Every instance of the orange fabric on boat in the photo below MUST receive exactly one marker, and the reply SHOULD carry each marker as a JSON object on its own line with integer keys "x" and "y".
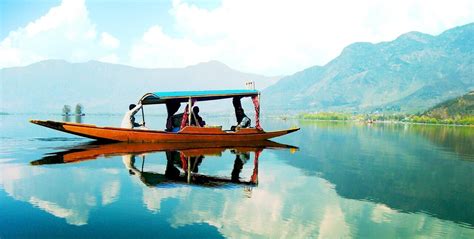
{"x": 184, "y": 163}
{"x": 256, "y": 103}
{"x": 184, "y": 121}
{"x": 254, "y": 177}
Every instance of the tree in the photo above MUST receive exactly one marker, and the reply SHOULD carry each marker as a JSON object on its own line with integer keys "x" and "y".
{"x": 66, "y": 110}
{"x": 79, "y": 109}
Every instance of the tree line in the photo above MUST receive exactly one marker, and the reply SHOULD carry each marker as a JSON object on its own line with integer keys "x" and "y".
{"x": 79, "y": 110}
{"x": 453, "y": 120}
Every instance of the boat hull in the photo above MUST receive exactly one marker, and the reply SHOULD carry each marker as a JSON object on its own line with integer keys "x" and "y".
{"x": 187, "y": 134}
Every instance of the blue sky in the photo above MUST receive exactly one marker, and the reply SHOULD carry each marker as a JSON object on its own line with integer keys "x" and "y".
{"x": 260, "y": 36}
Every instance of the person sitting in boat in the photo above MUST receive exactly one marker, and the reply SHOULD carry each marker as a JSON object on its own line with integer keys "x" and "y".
{"x": 196, "y": 119}
{"x": 242, "y": 120}
{"x": 175, "y": 123}
{"x": 128, "y": 120}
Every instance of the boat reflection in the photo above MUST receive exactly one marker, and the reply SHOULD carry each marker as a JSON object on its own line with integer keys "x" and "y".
{"x": 183, "y": 160}
{"x": 182, "y": 167}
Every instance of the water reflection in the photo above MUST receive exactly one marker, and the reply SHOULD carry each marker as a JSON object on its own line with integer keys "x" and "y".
{"x": 68, "y": 194}
{"x": 183, "y": 167}
{"x": 183, "y": 162}
{"x": 77, "y": 118}
{"x": 410, "y": 168}
{"x": 95, "y": 149}
{"x": 454, "y": 139}
{"x": 459, "y": 140}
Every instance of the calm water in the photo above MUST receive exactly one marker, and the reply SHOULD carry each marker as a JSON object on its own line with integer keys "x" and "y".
{"x": 346, "y": 180}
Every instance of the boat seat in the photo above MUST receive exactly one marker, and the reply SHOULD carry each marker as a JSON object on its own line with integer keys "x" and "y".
{"x": 213, "y": 126}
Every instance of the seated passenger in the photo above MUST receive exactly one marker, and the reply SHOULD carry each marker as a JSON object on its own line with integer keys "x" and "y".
{"x": 196, "y": 119}
{"x": 172, "y": 107}
{"x": 176, "y": 122}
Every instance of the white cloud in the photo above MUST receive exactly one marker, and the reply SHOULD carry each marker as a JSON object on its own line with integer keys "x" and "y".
{"x": 157, "y": 49}
{"x": 65, "y": 32}
{"x": 109, "y": 41}
{"x": 281, "y": 37}
{"x": 265, "y": 36}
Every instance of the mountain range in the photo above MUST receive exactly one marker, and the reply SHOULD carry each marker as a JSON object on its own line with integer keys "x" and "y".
{"x": 46, "y": 86}
{"x": 409, "y": 74}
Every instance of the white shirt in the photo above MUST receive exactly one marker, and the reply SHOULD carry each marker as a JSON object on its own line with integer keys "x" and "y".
{"x": 128, "y": 118}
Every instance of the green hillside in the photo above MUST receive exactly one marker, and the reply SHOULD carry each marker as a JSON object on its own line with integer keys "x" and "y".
{"x": 460, "y": 106}
{"x": 410, "y": 74}
{"x": 459, "y": 110}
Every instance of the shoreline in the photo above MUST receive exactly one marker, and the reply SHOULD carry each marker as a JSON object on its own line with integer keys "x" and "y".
{"x": 383, "y": 122}
{"x": 369, "y": 118}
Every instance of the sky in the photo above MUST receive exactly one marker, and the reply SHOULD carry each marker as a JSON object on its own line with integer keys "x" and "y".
{"x": 270, "y": 37}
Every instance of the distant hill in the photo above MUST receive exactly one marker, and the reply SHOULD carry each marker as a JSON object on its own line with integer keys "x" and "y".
{"x": 460, "y": 106}
{"x": 410, "y": 74}
{"x": 107, "y": 88}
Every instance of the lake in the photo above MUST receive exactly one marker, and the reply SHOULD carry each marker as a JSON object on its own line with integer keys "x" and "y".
{"x": 328, "y": 180}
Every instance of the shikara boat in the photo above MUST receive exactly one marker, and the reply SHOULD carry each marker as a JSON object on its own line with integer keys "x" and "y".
{"x": 187, "y": 132}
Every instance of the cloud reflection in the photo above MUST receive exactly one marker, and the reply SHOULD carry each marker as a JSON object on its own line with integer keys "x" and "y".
{"x": 67, "y": 194}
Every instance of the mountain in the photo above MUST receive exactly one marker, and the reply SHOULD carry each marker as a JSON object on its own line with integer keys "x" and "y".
{"x": 411, "y": 73}
{"x": 460, "y": 106}
{"x": 107, "y": 88}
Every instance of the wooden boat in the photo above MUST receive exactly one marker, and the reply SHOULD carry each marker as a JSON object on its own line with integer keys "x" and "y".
{"x": 187, "y": 132}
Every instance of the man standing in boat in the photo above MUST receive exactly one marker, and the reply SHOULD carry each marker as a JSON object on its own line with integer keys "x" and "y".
{"x": 128, "y": 120}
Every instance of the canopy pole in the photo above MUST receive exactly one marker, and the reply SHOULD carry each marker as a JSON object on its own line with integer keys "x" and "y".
{"x": 189, "y": 111}
{"x": 143, "y": 116}
{"x": 189, "y": 170}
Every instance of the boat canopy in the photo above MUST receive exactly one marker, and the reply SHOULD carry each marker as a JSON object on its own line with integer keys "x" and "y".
{"x": 183, "y": 96}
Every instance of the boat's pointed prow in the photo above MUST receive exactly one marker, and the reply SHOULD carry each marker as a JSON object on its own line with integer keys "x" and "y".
{"x": 38, "y": 122}
{"x": 48, "y": 123}
{"x": 293, "y": 130}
